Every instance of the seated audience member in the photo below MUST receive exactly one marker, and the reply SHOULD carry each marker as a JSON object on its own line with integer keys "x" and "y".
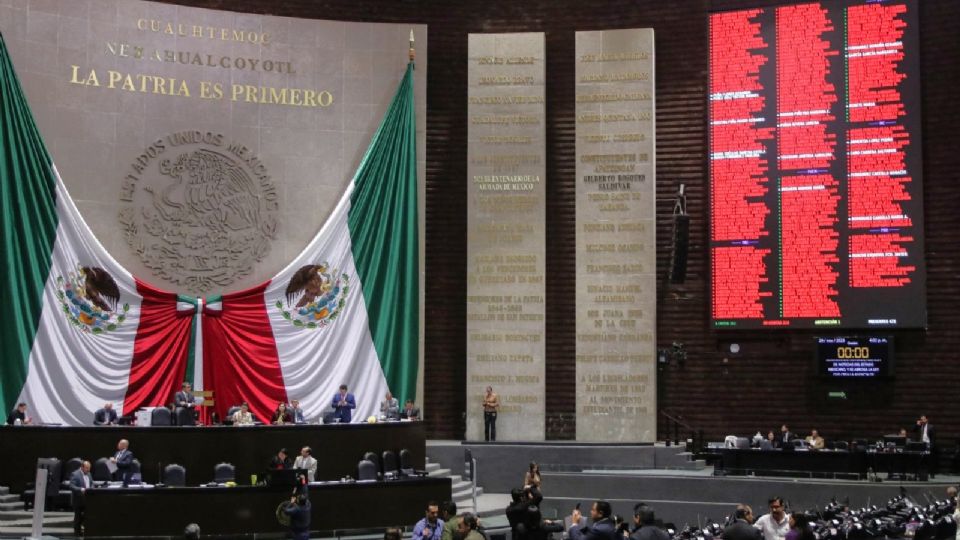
{"x": 280, "y": 461}
{"x": 389, "y": 407}
{"x": 393, "y": 533}
{"x": 243, "y": 417}
{"x": 18, "y": 416}
{"x": 105, "y": 416}
{"x": 281, "y": 415}
{"x": 431, "y": 526}
{"x": 799, "y": 528}
{"x": 306, "y": 461}
{"x": 601, "y": 528}
{"x": 467, "y": 527}
{"x": 741, "y": 528}
{"x": 296, "y": 413}
{"x": 770, "y": 442}
{"x": 409, "y": 411}
{"x": 774, "y": 526}
{"x": 903, "y": 433}
{"x": 784, "y": 438}
{"x": 814, "y": 440}
{"x": 448, "y": 511}
{"x": 123, "y": 460}
{"x": 644, "y": 520}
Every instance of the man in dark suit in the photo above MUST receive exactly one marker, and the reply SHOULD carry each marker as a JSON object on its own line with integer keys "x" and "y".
{"x": 602, "y": 528}
{"x": 18, "y": 416}
{"x": 409, "y": 411}
{"x": 343, "y": 404}
{"x": 184, "y": 400}
{"x": 123, "y": 459}
{"x": 741, "y": 528}
{"x": 926, "y": 434}
{"x": 785, "y": 437}
{"x": 80, "y": 482}
{"x": 105, "y": 416}
{"x": 646, "y": 525}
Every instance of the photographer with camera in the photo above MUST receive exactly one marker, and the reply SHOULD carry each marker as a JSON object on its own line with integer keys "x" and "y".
{"x": 298, "y": 510}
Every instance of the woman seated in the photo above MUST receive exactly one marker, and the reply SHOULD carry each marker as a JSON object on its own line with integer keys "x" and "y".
{"x": 243, "y": 417}
{"x": 281, "y": 415}
{"x": 532, "y": 478}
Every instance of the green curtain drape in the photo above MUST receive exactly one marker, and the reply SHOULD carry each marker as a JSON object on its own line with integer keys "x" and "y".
{"x": 28, "y": 218}
{"x": 383, "y": 229}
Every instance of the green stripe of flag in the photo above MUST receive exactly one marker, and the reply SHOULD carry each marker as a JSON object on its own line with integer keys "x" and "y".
{"x": 383, "y": 232}
{"x": 28, "y": 219}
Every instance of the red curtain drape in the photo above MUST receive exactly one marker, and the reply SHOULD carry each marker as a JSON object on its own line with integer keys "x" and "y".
{"x": 160, "y": 350}
{"x": 240, "y": 360}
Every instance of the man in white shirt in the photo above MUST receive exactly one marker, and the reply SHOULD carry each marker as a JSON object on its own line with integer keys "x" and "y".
{"x": 775, "y": 525}
{"x": 306, "y": 461}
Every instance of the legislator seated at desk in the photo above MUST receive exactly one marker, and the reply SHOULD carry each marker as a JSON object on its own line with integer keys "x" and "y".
{"x": 242, "y": 416}
{"x": 409, "y": 412}
{"x": 814, "y": 440}
{"x": 105, "y": 416}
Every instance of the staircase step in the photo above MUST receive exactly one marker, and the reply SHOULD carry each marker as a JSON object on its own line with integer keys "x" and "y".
{"x": 7, "y": 506}
{"x": 432, "y": 467}
{"x": 9, "y": 498}
{"x": 460, "y": 486}
{"x": 4, "y": 490}
{"x": 439, "y": 472}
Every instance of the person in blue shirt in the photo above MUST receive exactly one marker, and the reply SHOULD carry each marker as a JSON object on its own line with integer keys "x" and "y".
{"x": 431, "y": 526}
{"x": 602, "y": 528}
{"x": 343, "y": 404}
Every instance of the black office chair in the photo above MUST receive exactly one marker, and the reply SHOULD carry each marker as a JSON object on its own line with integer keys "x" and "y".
{"x": 406, "y": 462}
{"x": 366, "y": 470}
{"x": 175, "y": 475}
{"x": 228, "y": 418}
{"x": 390, "y": 467}
{"x": 101, "y": 471}
{"x": 69, "y": 466}
{"x": 328, "y": 418}
{"x": 160, "y": 417}
{"x": 375, "y": 459}
{"x": 841, "y": 446}
{"x": 185, "y": 416}
{"x": 224, "y": 472}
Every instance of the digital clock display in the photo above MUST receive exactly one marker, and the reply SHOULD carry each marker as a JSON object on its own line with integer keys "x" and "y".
{"x": 853, "y": 358}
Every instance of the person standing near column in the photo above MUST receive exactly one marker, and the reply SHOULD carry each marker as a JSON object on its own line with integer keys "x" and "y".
{"x": 491, "y": 406}
{"x": 80, "y": 482}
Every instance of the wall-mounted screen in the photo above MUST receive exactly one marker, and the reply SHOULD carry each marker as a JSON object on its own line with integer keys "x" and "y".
{"x": 816, "y": 206}
{"x": 854, "y": 358}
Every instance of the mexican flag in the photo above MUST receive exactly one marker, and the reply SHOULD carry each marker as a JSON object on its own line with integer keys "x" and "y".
{"x": 345, "y": 311}
{"x": 81, "y": 331}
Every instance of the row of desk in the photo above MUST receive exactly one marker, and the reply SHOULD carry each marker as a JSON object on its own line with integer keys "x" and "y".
{"x": 821, "y": 462}
{"x": 337, "y": 447}
{"x": 243, "y": 509}
{"x": 247, "y": 509}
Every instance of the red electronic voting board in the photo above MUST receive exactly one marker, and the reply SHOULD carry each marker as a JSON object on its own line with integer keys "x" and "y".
{"x": 816, "y": 206}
